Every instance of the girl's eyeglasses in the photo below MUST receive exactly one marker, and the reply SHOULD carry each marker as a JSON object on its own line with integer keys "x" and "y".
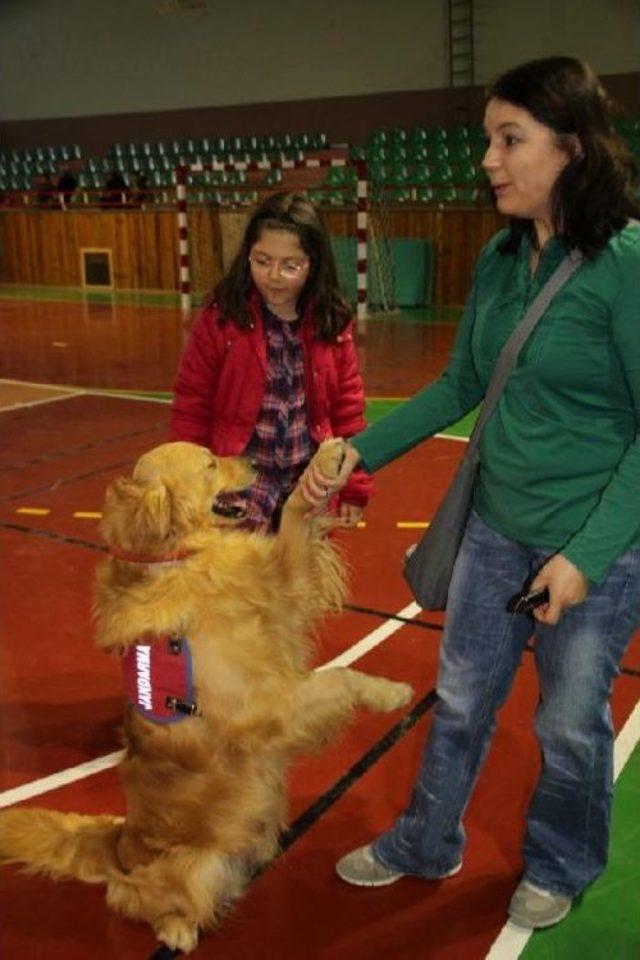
{"x": 288, "y": 269}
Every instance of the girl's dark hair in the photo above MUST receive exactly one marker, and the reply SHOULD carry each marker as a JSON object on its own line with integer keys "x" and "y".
{"x": 296, "y": 214}
{"x": 596, "y": 193}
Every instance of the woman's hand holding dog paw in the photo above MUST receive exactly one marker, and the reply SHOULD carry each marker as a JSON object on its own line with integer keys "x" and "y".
{"x": 316, "y": 487}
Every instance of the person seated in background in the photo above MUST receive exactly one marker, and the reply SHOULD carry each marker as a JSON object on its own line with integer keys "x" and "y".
{"x": 141, "y": 194}
{"x": 115, "y": 190}
{"x": 46, "y": 191}
{"x": 66, "y": 186}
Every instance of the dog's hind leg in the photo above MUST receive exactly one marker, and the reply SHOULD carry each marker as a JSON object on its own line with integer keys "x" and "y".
{"x": 180, "y": 892}
{"x": 324, "y": 702}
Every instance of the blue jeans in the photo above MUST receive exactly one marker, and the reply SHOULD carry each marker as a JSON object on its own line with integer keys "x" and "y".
{"x": 566, "y": 840}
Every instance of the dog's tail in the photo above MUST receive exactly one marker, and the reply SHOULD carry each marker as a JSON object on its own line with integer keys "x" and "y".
{"x": 60, "y": 845}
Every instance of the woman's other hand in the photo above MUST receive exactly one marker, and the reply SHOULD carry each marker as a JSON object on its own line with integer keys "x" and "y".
{"x": 567, "y": 587}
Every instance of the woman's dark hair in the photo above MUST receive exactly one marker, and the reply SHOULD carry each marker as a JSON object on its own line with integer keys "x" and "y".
{"x": 596, "y": 193}
{"x": 296, "y": 214}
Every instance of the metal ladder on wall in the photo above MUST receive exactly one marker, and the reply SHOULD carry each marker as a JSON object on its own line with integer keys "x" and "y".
{"x": 461, "y": 57}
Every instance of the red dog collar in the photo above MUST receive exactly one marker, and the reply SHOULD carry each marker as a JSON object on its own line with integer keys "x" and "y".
{"x": 158, "y": 679}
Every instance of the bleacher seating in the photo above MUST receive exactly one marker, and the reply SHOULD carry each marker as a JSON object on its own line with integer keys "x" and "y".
{"x": 423, "y": 165}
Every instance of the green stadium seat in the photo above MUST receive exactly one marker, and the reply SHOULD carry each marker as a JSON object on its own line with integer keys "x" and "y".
{"x": 378, "y": 138}
{"x": 437, "y": 150}
{"x": 464, "y": 173}
{"x": 398, "y": 175}
{"x": 336, "y": 198}
{"x": 468, "y": 194}
{"x": 458, "y": 134}
{"x": 399, "y": 195}
{"x": 421, "y": 174}
{"x": 459, "y": 151}
{"x": 436, "y": 135}
{"x": 424, "y": 195}
{"x": 318, "y": 197}
{"x": 418, "y": 153}
{"x": 441, "y": 173}
{"x": 397, "y": 153}
{"x": 377, "y": 172}
{"x": 418, "y": 136}
{"x": 336, "y": 177}
{"x": 398, "y": 136}
{"x": 445, "y": 193}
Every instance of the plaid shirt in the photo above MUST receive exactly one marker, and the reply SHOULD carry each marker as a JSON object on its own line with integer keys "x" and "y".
{"x": 280, "y": 446}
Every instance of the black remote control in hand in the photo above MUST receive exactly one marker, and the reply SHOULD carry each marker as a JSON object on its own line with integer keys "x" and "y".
{"x": 526, "y": 601}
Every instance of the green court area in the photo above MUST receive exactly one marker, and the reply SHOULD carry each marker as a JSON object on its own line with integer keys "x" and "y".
{"x": 605, "y": 924}
{"x": 378, "y": 407}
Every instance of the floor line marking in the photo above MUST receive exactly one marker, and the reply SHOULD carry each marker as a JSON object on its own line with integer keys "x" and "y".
{"x": 83, "y": 770}
{"x": 372, "y": 639}
{"x": 38, "y": 403}
{"x": 512, "y": 939}
{"x": 41, "y": 386}
{"x": 82, "y": 391}
{"x": 61, "y": 779}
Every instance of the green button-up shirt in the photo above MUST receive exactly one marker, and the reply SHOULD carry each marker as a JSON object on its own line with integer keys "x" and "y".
{"x": 560, "y": 457}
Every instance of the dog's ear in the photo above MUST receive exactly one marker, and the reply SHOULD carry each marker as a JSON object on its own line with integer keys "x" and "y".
{"x": 187, "y": 506}
{"x": 136, "y": 513}
{"x": 154, "y": 512}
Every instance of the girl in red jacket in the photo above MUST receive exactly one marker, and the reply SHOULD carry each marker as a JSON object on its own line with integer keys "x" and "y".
{"x": 270, "y": 367}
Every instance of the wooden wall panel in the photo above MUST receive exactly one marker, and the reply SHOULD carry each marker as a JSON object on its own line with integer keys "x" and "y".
{"x": 43, "y": 247}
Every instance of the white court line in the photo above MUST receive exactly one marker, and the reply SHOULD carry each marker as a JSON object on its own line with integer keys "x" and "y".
{"x": 41, "y": 386}
{"x": 512, "y": 940}
{"x": 64, "y": 777}
{"x": 61, "y": 779}
{"x": 372, "y": 639}
{"x": 450, "y": 436}
{"x": 67, "y": 393}
{"x": 37, "y": 403}
{"x": 80, "y": 391}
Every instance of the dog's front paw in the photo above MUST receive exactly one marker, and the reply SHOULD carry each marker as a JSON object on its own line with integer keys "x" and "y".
{"x": 378, "y": 693}
{"x": 329, "y": 457}
{"x": 395, "y": 695}
{"x": 176, "y": 932}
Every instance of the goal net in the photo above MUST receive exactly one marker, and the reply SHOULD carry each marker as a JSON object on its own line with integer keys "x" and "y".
{"x": 216, "y": 201}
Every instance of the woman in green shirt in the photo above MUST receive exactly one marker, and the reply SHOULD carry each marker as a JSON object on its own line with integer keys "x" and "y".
{"x": 557, "y": 498}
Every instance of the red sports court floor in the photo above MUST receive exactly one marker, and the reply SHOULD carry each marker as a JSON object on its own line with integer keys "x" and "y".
{"x": 61, "y": 699}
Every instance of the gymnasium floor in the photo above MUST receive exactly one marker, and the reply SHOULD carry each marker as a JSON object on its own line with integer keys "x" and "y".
{"x": 83, "y": 392}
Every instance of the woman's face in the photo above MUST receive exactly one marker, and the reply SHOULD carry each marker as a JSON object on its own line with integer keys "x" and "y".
{"x": 279, "y": 268}
{"x": 523, "y": 161}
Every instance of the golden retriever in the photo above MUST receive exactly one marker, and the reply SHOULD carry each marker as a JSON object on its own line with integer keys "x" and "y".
{"x": 205, "y": 795}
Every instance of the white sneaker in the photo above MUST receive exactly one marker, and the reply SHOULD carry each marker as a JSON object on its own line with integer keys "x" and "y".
{"x": 535, "y": 908}
{"x": 362, "y": 868}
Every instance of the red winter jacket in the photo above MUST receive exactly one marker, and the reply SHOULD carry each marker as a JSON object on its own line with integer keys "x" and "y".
{"x": 221, "y": 380}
